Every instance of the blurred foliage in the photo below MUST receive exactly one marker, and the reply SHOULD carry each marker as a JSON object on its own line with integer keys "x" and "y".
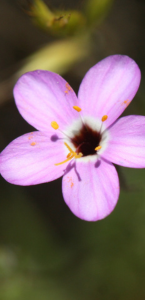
{"x": 64, "y": 23}
{"x": 96, "y": 10}
{"x": 60, "y": 23}
{"x": 61, "y": 55}
{"x": 58, "y": 56}
{"x": 102, "y": 260}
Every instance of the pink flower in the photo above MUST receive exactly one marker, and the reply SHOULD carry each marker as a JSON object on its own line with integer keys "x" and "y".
{"x": 78, "y": 138}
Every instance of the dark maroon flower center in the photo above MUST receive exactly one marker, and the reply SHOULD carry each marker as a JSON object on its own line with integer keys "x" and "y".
{"x": 86, "y": 141}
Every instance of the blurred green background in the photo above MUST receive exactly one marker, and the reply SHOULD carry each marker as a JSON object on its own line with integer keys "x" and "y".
{"x": 45, "y": 251}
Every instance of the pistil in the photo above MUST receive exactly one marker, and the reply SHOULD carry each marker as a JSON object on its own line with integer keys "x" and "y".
{"x": 84, "y": 142}
{"x": 70, "y": 155}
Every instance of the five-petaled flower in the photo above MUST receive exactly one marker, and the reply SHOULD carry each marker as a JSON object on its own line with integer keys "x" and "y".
{"x": 78, "y": 138}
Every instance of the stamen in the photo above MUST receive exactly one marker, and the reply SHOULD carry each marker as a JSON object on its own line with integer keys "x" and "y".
{"x": 68, "y": 147}
{"x": 72, "y": 152}
{"x": 70, "y": 155}
{"x": 64, "y": 161}
{"x": 77, "y": 108}
{"x": 104, "y": 118}
{"x": 54, "y": 125}
{"x": 98, "y": 148}
{"x": 78, "y": 155}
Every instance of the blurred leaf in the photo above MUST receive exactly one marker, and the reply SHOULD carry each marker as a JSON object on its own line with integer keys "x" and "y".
{"x": 33, "y": 287}
{"x": 58, "y": 56}
{"x": 96, "y": 10}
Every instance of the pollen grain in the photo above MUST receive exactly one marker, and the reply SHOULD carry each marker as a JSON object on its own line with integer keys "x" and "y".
{"x": 33, "y": 144}
{"x": 68, "y": 88}
{"x": 126, "y": 102}
{"x": 70, "y": 181}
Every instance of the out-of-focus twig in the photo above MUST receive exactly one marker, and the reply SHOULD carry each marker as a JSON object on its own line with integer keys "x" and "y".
{"x": 57, "y": 23}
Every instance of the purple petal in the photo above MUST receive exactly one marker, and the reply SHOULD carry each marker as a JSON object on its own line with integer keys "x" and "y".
{"x": 91, "y": 191}
{"x": 109, "y": 87}
{"x": 42, "y": 97}
{"x": 31, "y": 158}
{"x": 127, "y": 142}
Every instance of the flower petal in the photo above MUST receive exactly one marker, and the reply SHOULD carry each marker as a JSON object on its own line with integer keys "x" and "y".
{"x": 30, "y": 159}
{"x": 91, "y": 190}
{"x": 109, "y": 87}
{"x": 127, "y": 142}
{"x": 42, "y": 97}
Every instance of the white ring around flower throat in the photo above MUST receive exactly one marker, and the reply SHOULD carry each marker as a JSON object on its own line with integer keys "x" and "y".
{"x": 96, "y": 125}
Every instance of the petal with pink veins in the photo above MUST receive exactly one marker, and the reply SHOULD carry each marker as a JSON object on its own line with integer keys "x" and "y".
{"x": 109, "y": 87}
{"x": 42, "y": 97}
{"x": 31, "y": 158}
{"x": 127, "y": 142}
{"x": 91, "y": 190}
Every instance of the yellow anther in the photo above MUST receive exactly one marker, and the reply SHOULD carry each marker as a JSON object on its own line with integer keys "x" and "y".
{"x": 98, "y": 148}
{"x": 77, "y": 108}
{"x": 70, "y": 155}
{"x": 104, "y": 118}
{"x": 54, "y": 125}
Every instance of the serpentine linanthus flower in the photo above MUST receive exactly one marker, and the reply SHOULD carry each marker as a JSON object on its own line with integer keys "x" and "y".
{"x": 78, "y": 138}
